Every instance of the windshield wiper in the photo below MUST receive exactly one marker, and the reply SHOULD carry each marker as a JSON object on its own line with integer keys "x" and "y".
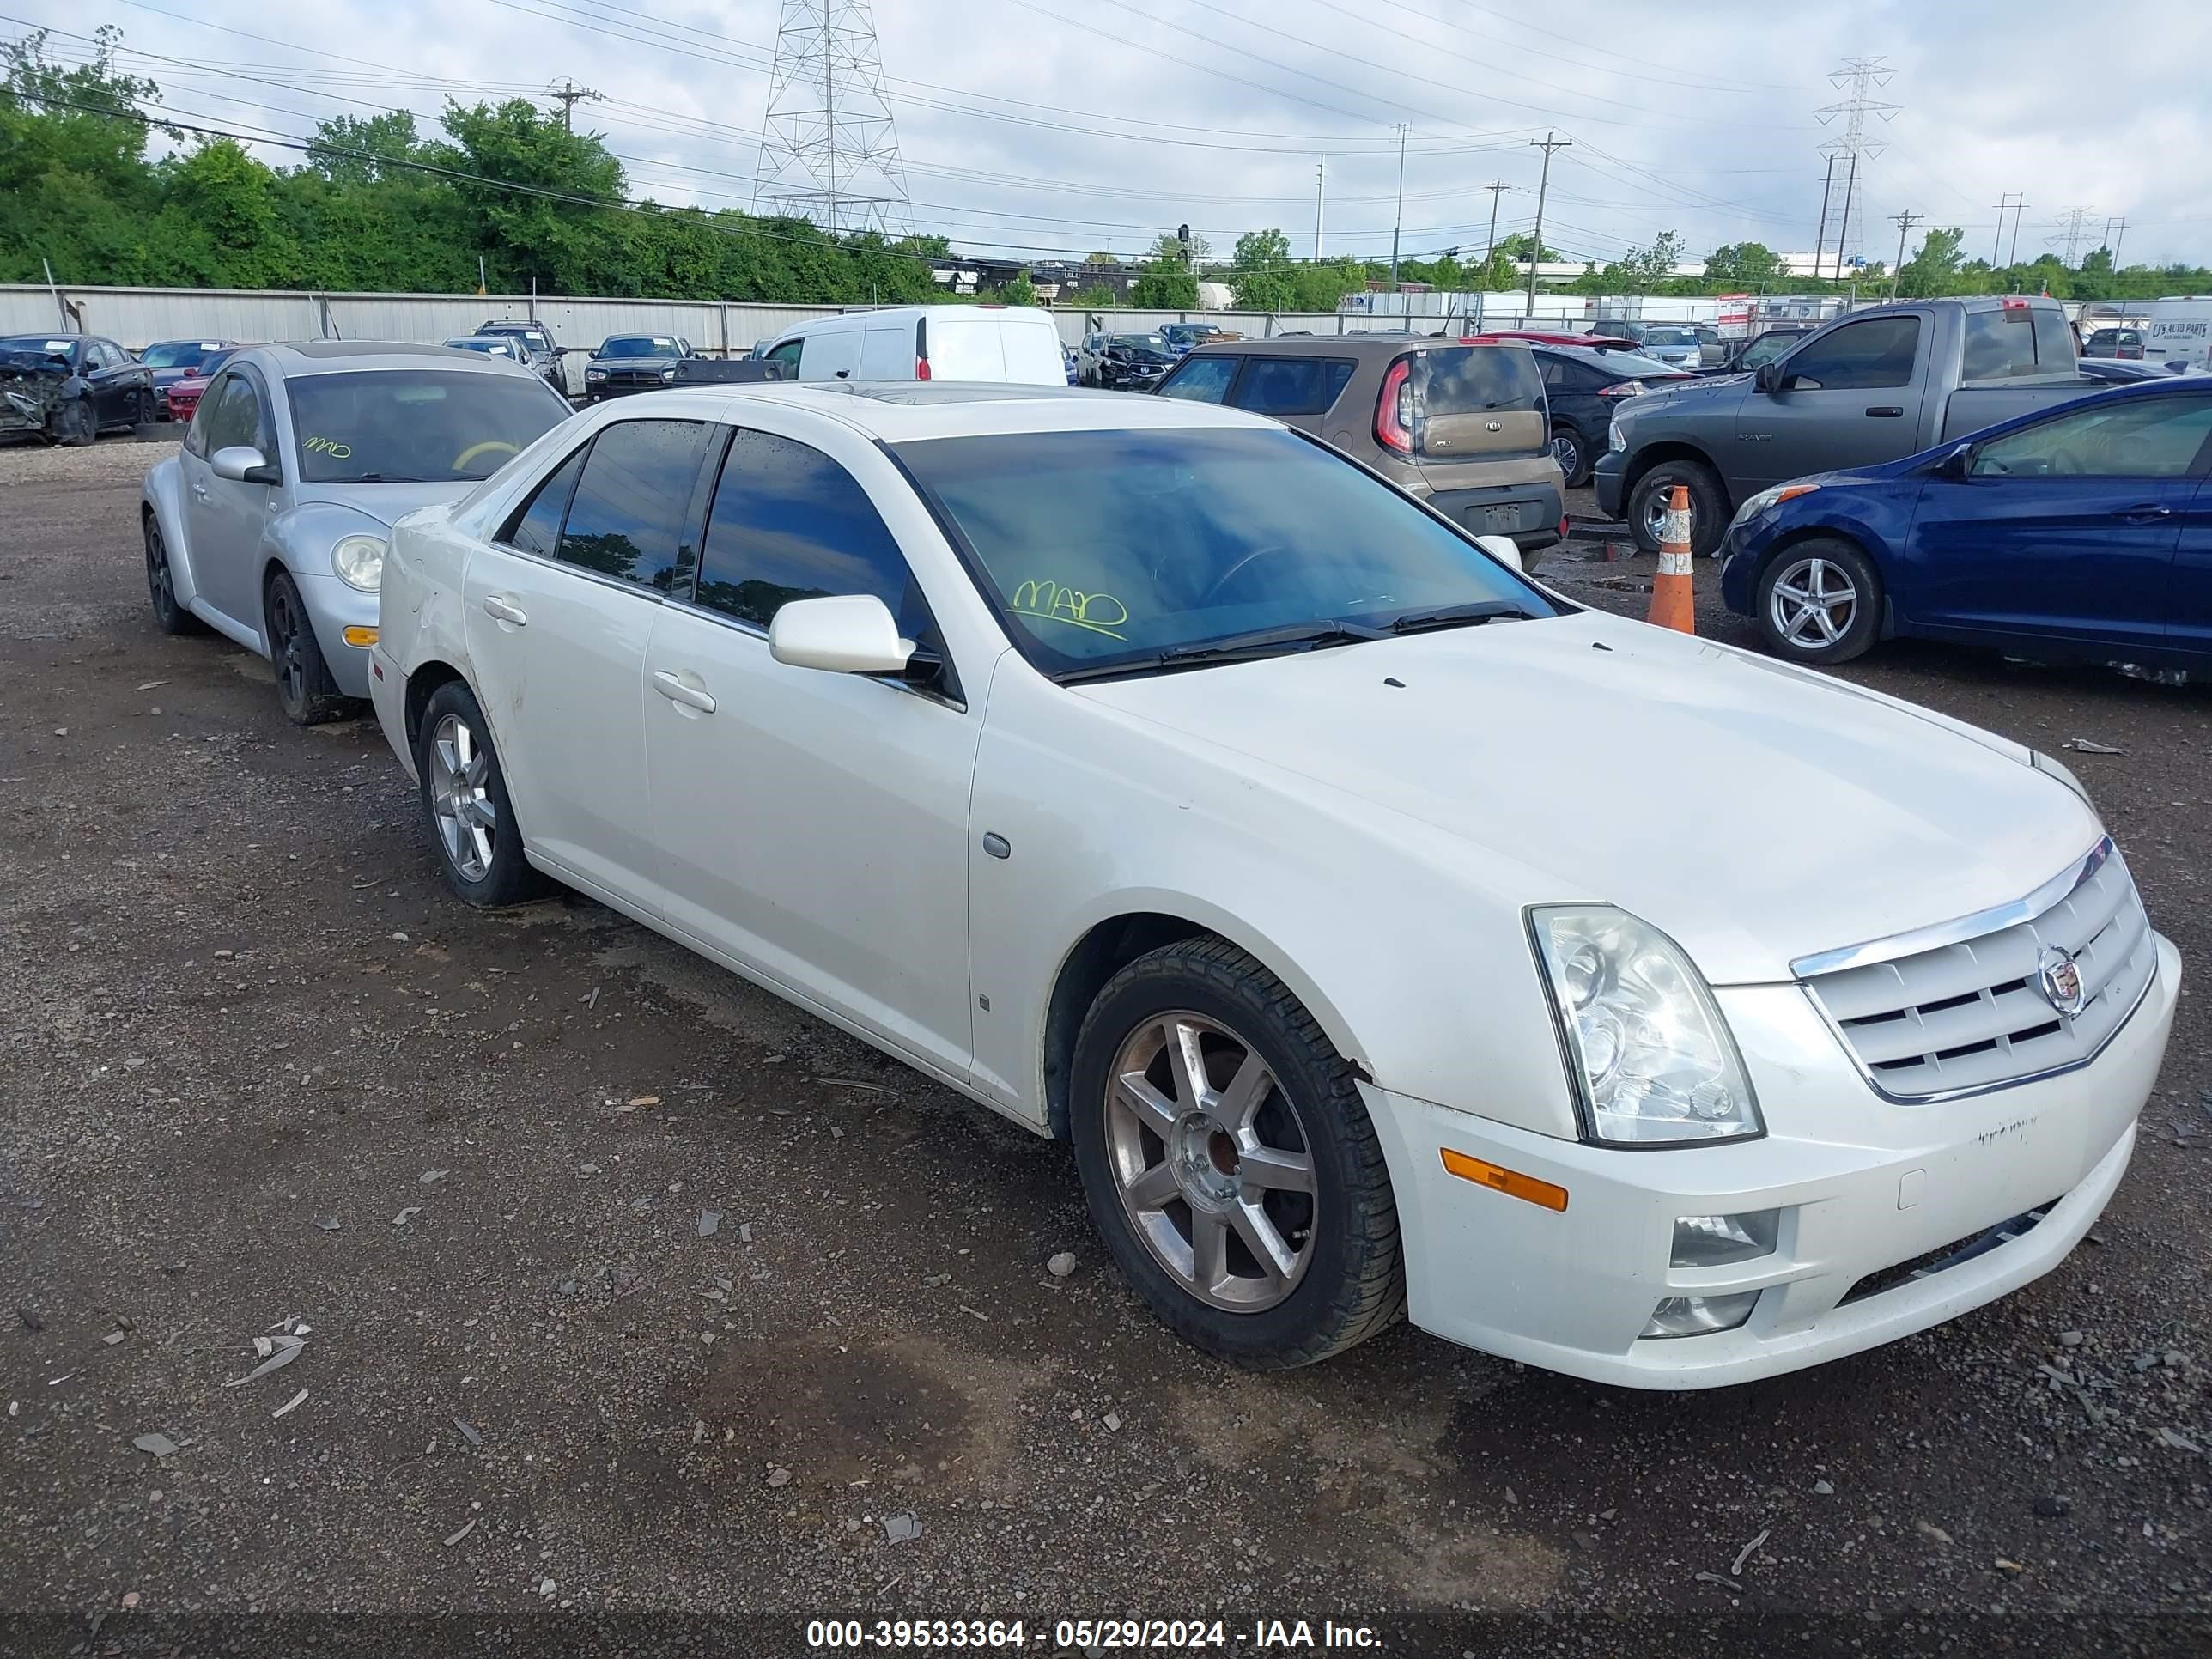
{"x": 1459, "y": 616}
{"x": 380, "y": 477}
{"x": 1278, "y": 641}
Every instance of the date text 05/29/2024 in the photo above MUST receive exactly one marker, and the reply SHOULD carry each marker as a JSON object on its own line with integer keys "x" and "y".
{"x": 1092, "y": 1636}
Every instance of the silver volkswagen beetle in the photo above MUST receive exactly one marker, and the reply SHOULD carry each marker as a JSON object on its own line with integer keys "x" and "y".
{"x": 270, "y": 524}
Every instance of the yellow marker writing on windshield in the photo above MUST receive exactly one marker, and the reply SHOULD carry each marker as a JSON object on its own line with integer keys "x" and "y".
{"x": 330, "y": 447}
{"x": 1052, "y": 602}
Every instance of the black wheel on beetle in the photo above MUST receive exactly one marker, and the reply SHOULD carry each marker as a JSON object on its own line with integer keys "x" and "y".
{"x": 1647, "y": 505}
{"x": 1818, "y": 601}
{"x": 169, "y": 616}
{"x": 304, "y": 686}
{"x": 1572, "y": 454}
{"x": 1229, "y": 1161}
{"x": 465, "y": 805}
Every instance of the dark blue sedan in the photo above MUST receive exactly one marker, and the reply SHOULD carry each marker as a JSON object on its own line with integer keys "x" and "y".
{"x": 2079, "y": 532}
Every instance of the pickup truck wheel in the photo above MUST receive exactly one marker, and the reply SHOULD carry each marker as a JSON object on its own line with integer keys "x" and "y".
{"x": 465, "y": 805}
{"x": 1819, "y": 601}
{"x": 1572, "y": 454}
{"x": 1229, "y": 1161}
{"x": 1647, "y": 505}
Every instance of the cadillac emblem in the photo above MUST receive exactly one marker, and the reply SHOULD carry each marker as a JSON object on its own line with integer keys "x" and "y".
{"x": 2059, "y": 979}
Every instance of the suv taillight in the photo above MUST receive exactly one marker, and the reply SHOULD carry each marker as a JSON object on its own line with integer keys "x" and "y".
{"x": 922, "y": 369}
{"x": 1394, "y": 421}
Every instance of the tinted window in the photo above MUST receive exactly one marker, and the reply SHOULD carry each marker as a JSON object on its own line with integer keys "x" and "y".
{"x": 1111, "y": 546}
{"x": 230, "y": 414}
{"x": 2054, "y": 342}
{"x": 1470, "y": 379}
{"x": 1999, "y": 344}
{"x": 627, "y": 517}
{"x": 537, "y": 527}
{"x": 788, "y": 352}
{"x": 2137, "y": 438}
{"x": 789, "y": 523}
{"x": 640, "y": 345}
{"x": 176, "y": 354}
{"x": 415, "y": 426}
{"x": 1877, "y": 352}
{"x": 1201, "y": 380}
{"x": 1292, "y": 386}
{"x": 1766, "y": 349}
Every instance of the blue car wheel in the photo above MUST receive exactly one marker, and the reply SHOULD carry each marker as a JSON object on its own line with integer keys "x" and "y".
{"x": 1818, "y": 601}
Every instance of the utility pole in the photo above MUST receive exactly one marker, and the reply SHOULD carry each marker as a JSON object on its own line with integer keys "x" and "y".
{"x": 1905, "y": 222}
{"x": 569, "y": 95}
{"x": 2121, "y": 226}
{"x": 2013, "y": 257}
{"x": 1997, "y": 242}
{"x": 1397, "y": 223}
{"x": 1496, "y": 187}
{"x": 1321, "y": 188}
{"x": 1827, "y": 184}
{"x": 1548, "y": 143}
{"x": 1844, "y": 230}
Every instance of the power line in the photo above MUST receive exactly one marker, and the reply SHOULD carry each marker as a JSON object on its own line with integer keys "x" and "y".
{"x": 821, "y": 159}
{"x": 1859, "y": 74}
{"x": 2073, "y": 226}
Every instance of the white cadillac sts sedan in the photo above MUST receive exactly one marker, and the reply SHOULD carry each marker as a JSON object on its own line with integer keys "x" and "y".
{"x": 1385, "y": 932}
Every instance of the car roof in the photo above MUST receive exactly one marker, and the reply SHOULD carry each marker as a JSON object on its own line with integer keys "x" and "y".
{"x": 898, "y": 412}
{"x": 336, "y": 357}
{"x": 1357, "y": 345}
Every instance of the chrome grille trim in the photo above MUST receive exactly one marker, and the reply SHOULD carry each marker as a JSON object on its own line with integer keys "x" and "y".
{"x": 1941, "y": 1012}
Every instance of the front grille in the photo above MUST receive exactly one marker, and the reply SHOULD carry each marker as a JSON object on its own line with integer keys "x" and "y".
{"x": 1955, "y": 1254}
{"x": 1972, "y": 1015}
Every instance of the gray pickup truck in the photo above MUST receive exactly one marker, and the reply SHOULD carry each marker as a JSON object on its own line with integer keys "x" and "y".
{"x": 1872, "y": 386}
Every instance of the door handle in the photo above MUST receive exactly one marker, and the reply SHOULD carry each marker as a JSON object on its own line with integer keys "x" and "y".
{"x": 200, "y": 490}
{"x": 2148, "y": 513}
{"x": 1885, "y": 412}
{"x": 496, "y": 606}
{"x": 675, "y": 690}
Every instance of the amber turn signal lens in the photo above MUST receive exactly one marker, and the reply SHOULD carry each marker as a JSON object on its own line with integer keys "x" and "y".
{"x": 360, "y": 636}
{"x": 1512, "y": 1182}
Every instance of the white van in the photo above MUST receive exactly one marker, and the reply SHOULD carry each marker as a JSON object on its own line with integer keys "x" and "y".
{"x": 1016, "y": 344}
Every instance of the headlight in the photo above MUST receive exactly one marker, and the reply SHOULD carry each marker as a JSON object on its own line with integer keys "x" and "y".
{"x": 1649, "y": 1055}
{"x": 667, "y": 373}
{"x": 595, "y": 375}
{"x": 1774, "y": 497}
{"x": 1615, "y": 437}
{"x": 359, "y": 561}
{"x": 2043, "y": 762}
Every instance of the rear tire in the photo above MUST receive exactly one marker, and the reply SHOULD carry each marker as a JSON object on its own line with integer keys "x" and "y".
{"x": 1572, "y": 455}
{"x": 465, "y": 807}
{"x": 169, "y": 616}
{"x": 1819, "y": 602}
{"x": 304, "y": 686}
{"x": 1244, "y": 1196}
{"x": 1709, "y": 510}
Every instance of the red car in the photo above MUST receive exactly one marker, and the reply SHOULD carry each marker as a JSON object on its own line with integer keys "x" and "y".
{"x": 182, "y": 397}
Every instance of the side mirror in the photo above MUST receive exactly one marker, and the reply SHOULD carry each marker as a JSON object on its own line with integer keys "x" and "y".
{"x": 1956, "y": 465}
{"x": 1503, "y": 548}
{"x": 242, "y": 463}
{"x": 1768, "y": 376}
{"x": 848, "y": 634}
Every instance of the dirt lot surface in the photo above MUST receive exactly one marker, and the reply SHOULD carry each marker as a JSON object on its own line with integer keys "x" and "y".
{"x": 255, "y": 1065}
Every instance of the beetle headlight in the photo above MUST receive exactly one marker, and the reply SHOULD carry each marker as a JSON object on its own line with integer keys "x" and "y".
{"x": 1646, "y": 1047}
{"x": 359, "y": 561}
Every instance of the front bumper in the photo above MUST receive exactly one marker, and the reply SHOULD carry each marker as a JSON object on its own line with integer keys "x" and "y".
{"x": 1863, "y": 1186}
{"x": 334, "y": 606}
{"x": 387, "y": 694}
{"x": 1610, "y": 481}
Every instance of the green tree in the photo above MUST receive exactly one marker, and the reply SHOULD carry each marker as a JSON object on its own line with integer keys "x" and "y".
{"x": 1742, "y": 264}
{"x": 1934, "y": 270}
{"x": 1019, "y": 292}
{"x": 1165, "y": 246}
{"x": 1096, "y": 297}
{"x": 1166, "y": 284}
{"x": 1517, "y": 247}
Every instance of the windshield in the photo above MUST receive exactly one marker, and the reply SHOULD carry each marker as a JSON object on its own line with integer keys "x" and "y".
{"x": 415, "y": 426}
{"x": 1670, "y": 337}
{"x": 1151, "y": 342}
{"x": 1105, "y": 548}
{"x": 639, "y": 345}
{"x": 490, "y": 348}
{"x": 176, "y": 354}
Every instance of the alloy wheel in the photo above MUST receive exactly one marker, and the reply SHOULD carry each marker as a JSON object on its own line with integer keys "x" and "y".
{"x": 1567, "y": 451}
{"x": 285, "y": 654}
{"x": 160, "y": 584}
{"x": 1654, "y": 516}
{"x": 1211, "y": 1162}
{"x": 1813, "y": 604}
{"x": 460, "y": 797}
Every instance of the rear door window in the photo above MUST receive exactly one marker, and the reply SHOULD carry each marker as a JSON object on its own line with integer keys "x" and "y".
{"x": 2000, "y": 345}
{"x": 537, "y": 527}
{"x": 1201, "y": 380}
{"x": 626, "y": 519}
{"x": 1863, "y": 355}
{"x": 1292, "y": 386}
{"x": 2054, "y": 342}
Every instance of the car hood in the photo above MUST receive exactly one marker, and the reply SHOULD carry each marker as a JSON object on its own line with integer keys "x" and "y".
{"x": 630, "y": 362}
{"x": 1755, "y": 811}
{"x": 1704, "y": 390}
{"x": 384, "y": 504}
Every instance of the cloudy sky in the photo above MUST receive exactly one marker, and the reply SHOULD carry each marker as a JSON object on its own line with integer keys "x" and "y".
{"x": 1042, "y": 128}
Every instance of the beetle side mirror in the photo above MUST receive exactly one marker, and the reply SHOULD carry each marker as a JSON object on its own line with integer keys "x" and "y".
{"x": 1503, "y": 548}
{"x": 242, "y": 463}
{"x": 844, "y": 633}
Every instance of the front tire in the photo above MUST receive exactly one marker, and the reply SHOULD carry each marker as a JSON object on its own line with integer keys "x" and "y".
{"x": 1229, "y": 1161}
{"x": 1818, "y": 601}
{"x": 465, "y": 805}
{"x": 310, "y": 697}
{"x": 1709, "y": 511}
{"x": 1572, "y": 455}
{"x": 74, "y": 424}
{"x": 169, "y": 616}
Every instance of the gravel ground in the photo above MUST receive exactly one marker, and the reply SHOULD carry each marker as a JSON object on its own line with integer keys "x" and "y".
{"x": 256, "y": 1066}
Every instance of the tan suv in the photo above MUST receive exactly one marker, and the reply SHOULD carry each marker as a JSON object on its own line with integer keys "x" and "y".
{"x": 1463, "y": 427}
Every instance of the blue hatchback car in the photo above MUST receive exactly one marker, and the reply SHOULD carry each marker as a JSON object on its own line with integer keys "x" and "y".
{"x": 2079, "y": 532}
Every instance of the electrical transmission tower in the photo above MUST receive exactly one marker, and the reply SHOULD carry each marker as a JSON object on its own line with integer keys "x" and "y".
{"x": 1854, "y": 148}
{"x": 2073, "y": 227}
{"x": 829, "y": 148}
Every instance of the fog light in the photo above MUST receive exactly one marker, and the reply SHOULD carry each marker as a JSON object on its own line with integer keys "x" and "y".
{"x": 1697, "y": 1316}
{"x": 1715, "y": 1240}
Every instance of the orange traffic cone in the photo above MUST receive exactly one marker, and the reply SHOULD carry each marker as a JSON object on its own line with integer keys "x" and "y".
{"x": 1674, "y": 602}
